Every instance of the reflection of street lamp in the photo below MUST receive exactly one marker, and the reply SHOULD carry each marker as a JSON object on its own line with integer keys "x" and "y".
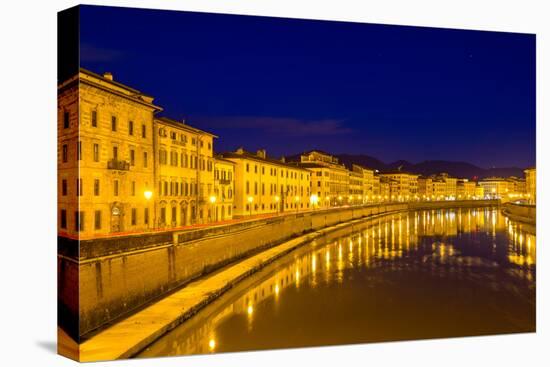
{"x": 250, "y": 200}
{"x": 213, "y": 202}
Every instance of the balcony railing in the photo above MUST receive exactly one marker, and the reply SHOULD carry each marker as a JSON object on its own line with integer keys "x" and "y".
{"x": 118, "y": 165}
{"x": 224, "y": 181}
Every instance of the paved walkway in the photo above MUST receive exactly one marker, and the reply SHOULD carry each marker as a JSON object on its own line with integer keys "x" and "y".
{"x": 129, "y": 336}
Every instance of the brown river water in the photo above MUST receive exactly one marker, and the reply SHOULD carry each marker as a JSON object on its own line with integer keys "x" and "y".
{"x": 425, "y": 274}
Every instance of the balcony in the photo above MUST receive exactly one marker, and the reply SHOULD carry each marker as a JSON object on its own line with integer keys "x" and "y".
{"x": 118, "y": 165}
{"x": 224, "y": 181}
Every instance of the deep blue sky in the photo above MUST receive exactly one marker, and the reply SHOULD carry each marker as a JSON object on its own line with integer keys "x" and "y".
{"x": 289, "y": 85}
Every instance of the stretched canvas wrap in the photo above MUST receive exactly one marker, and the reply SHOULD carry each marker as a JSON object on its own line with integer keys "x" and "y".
{"x": 233, "y": 183}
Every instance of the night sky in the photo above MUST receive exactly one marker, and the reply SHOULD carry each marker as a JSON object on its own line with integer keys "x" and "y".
{"x": 287, "y": 85}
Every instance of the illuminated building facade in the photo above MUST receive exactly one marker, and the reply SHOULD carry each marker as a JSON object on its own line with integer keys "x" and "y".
{"x": 185, "y": 181}
{"x": 265, "y": 185}
{"x": 465, "y": 189}
{"x": 224, "y": 189}
{"x": 105, "y": 156}
{"x": 531, "y": 184}
{"x": 495, "y": 187}
{"x": 406, "y": 187}
{"x": 334, "y": 174}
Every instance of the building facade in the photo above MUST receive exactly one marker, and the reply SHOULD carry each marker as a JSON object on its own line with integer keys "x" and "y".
{"x": 106, "y": 156}
{"x": 531, "y": 184}
{"x": 265, "y": 185}
{"x": 184, "y": 174}
{"x": 224, "y": 189}
{"x": 332, "y": 175}
{"x": 403, "y": 185}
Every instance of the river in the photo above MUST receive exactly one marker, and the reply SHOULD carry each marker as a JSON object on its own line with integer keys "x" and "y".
{"x": 416, "y": 275}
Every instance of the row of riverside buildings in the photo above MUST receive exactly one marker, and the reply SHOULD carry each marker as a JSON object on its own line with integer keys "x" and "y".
{"x": 122, "y": 170}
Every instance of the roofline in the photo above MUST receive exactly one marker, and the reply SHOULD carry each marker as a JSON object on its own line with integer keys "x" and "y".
{"x": 252, "y": 156}
{"x": 218, "y": 158}
{"x": 181, "y": 125}
{"x": 86, "y": 71}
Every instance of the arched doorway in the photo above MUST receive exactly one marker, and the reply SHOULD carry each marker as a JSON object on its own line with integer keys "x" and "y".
{"x": 193, "y": 213}
{"x": 162, "y": 220}
{"x": 117, "y": 214}
{"x": 173, "y": 213}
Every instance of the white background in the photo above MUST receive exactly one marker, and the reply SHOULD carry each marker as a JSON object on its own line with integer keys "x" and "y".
{"x": 28, "y": 179}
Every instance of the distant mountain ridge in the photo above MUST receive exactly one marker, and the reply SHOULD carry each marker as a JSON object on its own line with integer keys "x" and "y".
{"x": 426, "y": 168}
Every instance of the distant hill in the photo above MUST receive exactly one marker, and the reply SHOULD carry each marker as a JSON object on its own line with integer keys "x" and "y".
{"x": 426, "y": 168}
{"x": 456, "y": 169}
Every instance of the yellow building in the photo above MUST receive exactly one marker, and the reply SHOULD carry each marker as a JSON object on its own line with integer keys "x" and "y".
{"x": 432, "y": 188}
{"x": 465, "y": 189}
{"x": 184, "y": 174}
{"x": 329, "y": 178}
{"x": 377, "y": 195}
{"x": 479, "y": 192}
{"x": 105, "y": 160}
{"x": 356, "y": 184}
{"x": 367, "y": 180}
{"x": 531, "y": 184}
{"x": 224, "y": 189}
{"x": 450, "y": 186}
{"x": 495, "y": 187}
{"x": 265, "y": 185}
{"x": 406, "y": 187}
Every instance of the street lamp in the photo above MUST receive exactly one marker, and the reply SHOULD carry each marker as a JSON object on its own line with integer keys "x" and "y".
{"x": 148, "y": 194}
{"x": 213, "y": 202}
{"x": 250, "y": 200}
{"x": 296, "y": 198}
{"x": 314, "y": 199}
{"x": 277, "y": 199}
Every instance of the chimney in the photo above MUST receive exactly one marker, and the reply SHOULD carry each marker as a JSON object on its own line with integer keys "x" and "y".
{"x": 261, "y": 153}
{"x": 108, "y": 75}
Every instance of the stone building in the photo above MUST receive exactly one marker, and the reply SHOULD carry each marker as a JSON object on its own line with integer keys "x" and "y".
{"x": 265, "y": 185}
{"x": 406, "y": 187}
{"x": 465, "y": 189}
{"x": 356, "y": 184}
{"x": 184, "y": 174}
{"x": 329, "y": 177}
{"x": 495, "y": 187}
{"x": 365, "y": 177}
{"x": 531, "y": 184}
{"x": 224, "y": 188}
{"x": 105, "y": 132}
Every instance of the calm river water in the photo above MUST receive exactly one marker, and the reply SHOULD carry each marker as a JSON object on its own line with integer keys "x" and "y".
{"x": 426, "y": 274}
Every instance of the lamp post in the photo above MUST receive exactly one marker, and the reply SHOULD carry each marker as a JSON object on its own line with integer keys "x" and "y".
{"x": 277, "y": 199}
{"x": 313, "y": 199}
{"x": 296, "y": 199}
{"x": 213, "y": 202}
{"x": 340, "y": 199}
{"x": 148, "y": 194}
{"x": 250, "y": 199}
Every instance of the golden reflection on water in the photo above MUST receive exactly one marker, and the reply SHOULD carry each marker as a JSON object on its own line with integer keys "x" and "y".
{"x": 371, "y": 248}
